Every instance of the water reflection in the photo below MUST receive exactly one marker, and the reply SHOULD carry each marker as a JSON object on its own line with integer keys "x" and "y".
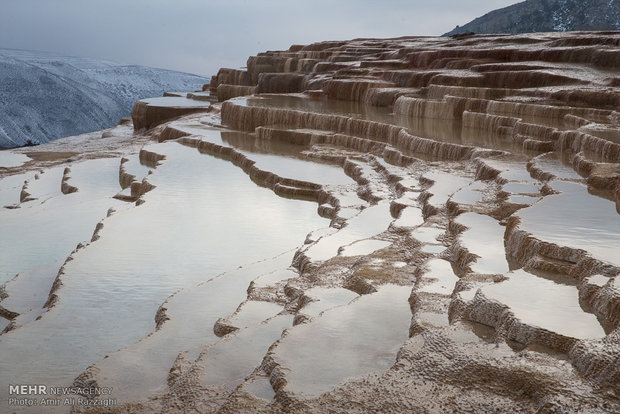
{"x": 337, "y": 346}
{"x": 575, "y": 219}
{"x": 203, "y": 217}
{"x": 547, "y": 304}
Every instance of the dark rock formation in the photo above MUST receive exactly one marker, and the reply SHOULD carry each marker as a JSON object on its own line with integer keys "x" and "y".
{"x": 546, "y": 16}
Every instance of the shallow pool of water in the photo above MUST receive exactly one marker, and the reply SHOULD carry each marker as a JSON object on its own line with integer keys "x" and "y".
{"x": 470, "y": 194}
{"x": 142, "y": 368}
{"x": 575, "y": 219}
{"x": 193, "y": 226}
{"x": 370, "y": 222}
{"x": 175, "y": 101}
{"x": 337, "y": 346}
{"x": 409, "y": 217}
{"x": 10, "y": 159}
{"x": 45, "y": 184}
{"x": 260, "y": 387}
{"x": 484, "y": 238}
{"x": 438, "y": 278}
{"x": 326, "y": 298}
{"x": 11, "y": 187}
{"x": 547, "y": 304}
{"x": 254, "y": 312}
{"x": 427, "y": 234}
{"x": 444, "y": 186}
{"x": 556, "y": 165}
{"x": 364, "y": 247}
{"x": 522, "y": 188}
{"x": 298, "y": 169}
{"x": 233, "y": 358}
{"x": 40, "y": 233}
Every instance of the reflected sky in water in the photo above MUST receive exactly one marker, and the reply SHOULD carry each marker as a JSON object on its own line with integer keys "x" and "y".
{"x": 202, "y": 36}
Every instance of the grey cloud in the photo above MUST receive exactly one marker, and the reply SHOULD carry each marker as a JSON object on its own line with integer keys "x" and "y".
{"x": 200, "y": 36}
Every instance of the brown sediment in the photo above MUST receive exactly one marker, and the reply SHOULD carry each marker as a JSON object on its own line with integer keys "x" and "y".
{"x": 146, "y": 116}
{"x": 50, "y": 156}
{"x": 124, "y": 178}
{"x": 603, "y": 299}
{"x": 7, "y": 314}
{"x": 150, "y": 158}
{"x": 226, "y": 92}
{"x": 65, "y": 187}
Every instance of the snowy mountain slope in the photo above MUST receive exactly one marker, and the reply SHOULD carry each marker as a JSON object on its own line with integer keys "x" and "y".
{"x": 547, "y": 16}
{"x": 45, "y": 96}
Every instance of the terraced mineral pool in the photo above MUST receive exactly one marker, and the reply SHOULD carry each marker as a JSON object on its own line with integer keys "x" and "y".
{"x": 55, "y": 227}
{"x": 175, "y": 101}
{"x": 452, "y": 131}
{"x": 134, "y": 167}
{"x": 144, "y": 255}
{"x": 346, "y": 342}
{"x": 326, "y": 298}
{"x": 510, "y": 170}
{"x": 436, "y": 129}
{"x": 28, "y": 292}
{"x": 197, "y": 128}
{"x": 370, "y": 222}
{"x": 522, "y": 199}
{"x": 288, "y": 167}
{"x": 432, "y": 248}
{"x": 260, "y": 387}
{"x": 46, "y": 184}
{"x": 364, "y": 247}
{"x": 409, "y": 217}
{"x": 484, "y": 237}
{"x": 438, "y": 278}
{"x": 470, "y": 194}
{"x": 427, "y": 234}
{"x": 548, "y": 305}
{"x": 597, "y": 232}
{"x": 233, "y": 358}
{"x": 272, "y": 278}
{"x": 10, "y": 159}
{"x": 554, "y": 164}
{"x": 444, "y": 185}
{"x": 489, "y": 138}
{"x": 11, "y": 187}
{"x": 522, "y": 188}
{"x": 253, "y": 312}
{"x": 142, "y": 368}
{"x": 243, "y": 141}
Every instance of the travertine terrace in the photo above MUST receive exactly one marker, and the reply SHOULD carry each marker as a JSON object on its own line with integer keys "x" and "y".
{"x": 463, "y": 254}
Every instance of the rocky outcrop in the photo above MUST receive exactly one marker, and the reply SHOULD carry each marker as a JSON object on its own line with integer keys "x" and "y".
{"x": 152, "y": 112}
{"x": 547, "y": 16}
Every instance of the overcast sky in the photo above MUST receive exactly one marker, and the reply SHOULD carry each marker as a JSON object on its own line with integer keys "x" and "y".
{"x": 200, "y": 36}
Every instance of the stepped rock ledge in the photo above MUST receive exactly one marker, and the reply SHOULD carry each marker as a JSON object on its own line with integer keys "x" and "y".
{"x": 472, "y": 257}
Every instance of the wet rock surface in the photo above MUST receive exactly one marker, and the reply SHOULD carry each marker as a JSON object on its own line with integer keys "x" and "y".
{"x": 432, "y": 226}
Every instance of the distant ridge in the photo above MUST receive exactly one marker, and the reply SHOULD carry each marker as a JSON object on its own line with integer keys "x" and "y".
{"x": 44, "y": 96}
{"x": 547, "y": 16}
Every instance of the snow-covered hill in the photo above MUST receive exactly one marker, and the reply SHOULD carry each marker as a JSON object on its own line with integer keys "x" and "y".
{"x": 547, "y": 16}
{"x": 44, "y": 96}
